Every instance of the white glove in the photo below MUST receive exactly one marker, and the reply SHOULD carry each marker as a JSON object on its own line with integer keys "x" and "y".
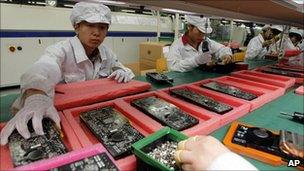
{"x": 36, "y": 107}
{"x": 120, "y": 75}
{"x": 203, "y": 58}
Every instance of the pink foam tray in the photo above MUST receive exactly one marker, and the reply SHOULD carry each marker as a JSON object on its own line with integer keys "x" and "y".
{"x": 87, "y": 138}
{"x": 240, "y": 108}
{"x": 265, "y": 92}
{"x": 300, "y": 90}
{"x": 276, "y": 80}
{"x": 140, "y": 121}
{"x": 207, "y": 121}
{"x": 66, "y": 158}
{"x": 94, "y": 91}
{"x": 298, "y": 80}
{"x": 70, "y": 140}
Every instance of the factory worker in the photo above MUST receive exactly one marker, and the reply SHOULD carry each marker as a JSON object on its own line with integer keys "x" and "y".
{"x": 294, "y": 39}
{"x": 295, "y": 42}
{"x": 258, "y": 46}
{"x": 207, "y": 153}
{"x": 79, "y": 58}
{"x": 290, "y": 41}
{"x": 194, "y": 48}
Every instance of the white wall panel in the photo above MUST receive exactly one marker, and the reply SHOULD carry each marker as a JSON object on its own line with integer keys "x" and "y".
{"x": 26, "y": 17}
{"x": 14, "y": 64}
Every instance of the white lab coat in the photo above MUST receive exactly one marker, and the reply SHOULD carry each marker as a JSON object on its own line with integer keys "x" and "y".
{"x": 287, "y": 44}
{"x": 67, "y": 62}
{"x": 183, "y": 57}
{"x": 230, "y": 161}
{"x": 300, "y": 45}
{"x": 255, "y": 49}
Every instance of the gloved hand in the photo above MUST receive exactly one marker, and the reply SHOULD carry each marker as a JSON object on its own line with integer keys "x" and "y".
{"x": 120, "y": 75}
{"x": 36, "y": 107}
{"x": 227, "y": 59}
{"x": 191, "y": 153}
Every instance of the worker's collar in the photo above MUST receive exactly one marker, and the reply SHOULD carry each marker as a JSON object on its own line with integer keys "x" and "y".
{"x": 261, "y": 39}
{"x": 79, "y": 51}
{"x": 185, "y": 39}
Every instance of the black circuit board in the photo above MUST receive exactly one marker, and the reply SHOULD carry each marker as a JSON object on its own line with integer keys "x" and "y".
{"x": 37, "y": 147}
{"x": 159, "y": 78}
{"x": 282, "y": 72}
{"x": 230, "y": 90}
{"x": 96, "y": 162}
{"x": 112, "y": 129}
{"x": 260, "y": 139}
{"x": 164, "y": 112}
{"x": 201, "y": 100}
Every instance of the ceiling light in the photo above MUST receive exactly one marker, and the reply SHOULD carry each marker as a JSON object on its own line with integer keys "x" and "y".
{"x": 298, "y": 1}
{"x": 51, "y": 3}
{"x": 112, "y": 2}
{"x": 177, "y": 11}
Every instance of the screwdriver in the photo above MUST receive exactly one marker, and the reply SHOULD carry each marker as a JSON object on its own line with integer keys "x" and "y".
{"x": 298, "y": 116}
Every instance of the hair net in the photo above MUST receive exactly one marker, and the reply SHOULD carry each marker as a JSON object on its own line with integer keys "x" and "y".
{"x": 277, "y": 27}
{"x": 203, "y": 24}
{"x": 296, "y": 31}
{"x": 266, "y": 26}
{"x": 90, "y": 12}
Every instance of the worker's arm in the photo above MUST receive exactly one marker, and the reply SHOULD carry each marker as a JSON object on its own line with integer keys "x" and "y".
{"x": 221, "y": 52}
{"x": 254, "y": 49}
{"x": 177, "y": 63}
{"x": 37, "y": 91}
{"x": 230, "y": 161}
{"x": 207, "y": 153}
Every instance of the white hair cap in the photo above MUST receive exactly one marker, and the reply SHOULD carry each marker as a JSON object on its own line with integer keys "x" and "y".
{"x": 203, "y": 24}
{"x": 91, "y": 13}
{"x": 296, "y": 31}
{"x": 266, "y": 26}
{"x": 277, "y": 27}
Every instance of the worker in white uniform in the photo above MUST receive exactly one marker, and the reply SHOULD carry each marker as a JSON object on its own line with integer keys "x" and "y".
{"x": 293, "y": 42}
{"x": 290, "y": 41}
{"x": 194, "y": 48}
{"x": 294, "y": 39}
{"x": 259, "y": 46}
{"x": 79, "y": 58}
{"x": 207, "y": 153}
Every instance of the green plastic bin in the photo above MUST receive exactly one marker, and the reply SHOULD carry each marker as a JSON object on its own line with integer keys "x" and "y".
{"x": 142, "y": 147}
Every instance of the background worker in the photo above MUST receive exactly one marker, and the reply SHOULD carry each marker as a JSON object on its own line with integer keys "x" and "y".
{"x": 259, "y": 46}
{"x": 194, "y": 48}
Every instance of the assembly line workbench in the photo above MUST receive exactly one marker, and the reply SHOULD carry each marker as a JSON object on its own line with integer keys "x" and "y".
{"x": 267, "y": 116}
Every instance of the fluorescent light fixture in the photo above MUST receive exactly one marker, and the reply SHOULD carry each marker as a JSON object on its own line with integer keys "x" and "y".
{"x": 67, "y": 5}
{"x": 126, "y": 10}
{"x": 40, "y": 3}
{"x": 298, "y": 1}
{"x": 112, "y": 2}
{"x": 51, "y": 3}
{"x": 177, "y": 11}
{"x": 146, "y": 12}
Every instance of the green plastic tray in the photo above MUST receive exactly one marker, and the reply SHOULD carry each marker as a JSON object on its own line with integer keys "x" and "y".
{"x": 142, "y": 147}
